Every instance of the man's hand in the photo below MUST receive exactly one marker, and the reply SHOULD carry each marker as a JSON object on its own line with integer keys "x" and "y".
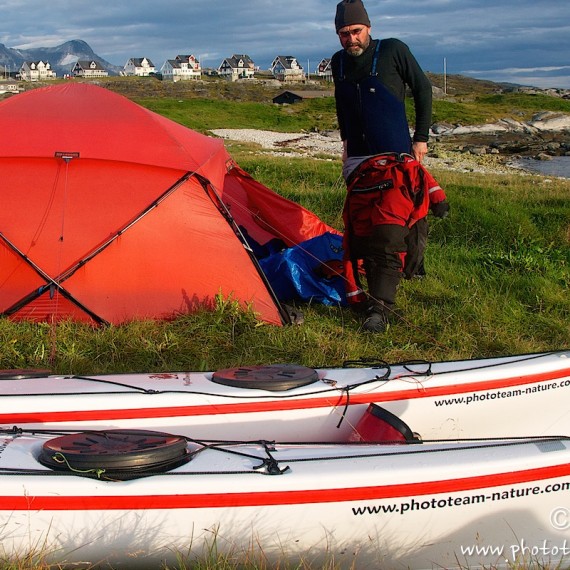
{"x": 440, "y": 210}
{"x": 419, "y": 150}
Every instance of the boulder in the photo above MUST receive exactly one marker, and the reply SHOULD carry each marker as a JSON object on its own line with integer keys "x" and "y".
{"x": 550, "y": 121}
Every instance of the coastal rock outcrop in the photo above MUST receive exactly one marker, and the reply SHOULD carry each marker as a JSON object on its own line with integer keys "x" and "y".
{"x": 546, "y": 134}
{"x": 546, "y": 121}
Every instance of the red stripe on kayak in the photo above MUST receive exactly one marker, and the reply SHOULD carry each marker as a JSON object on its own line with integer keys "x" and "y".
{"x": 415, "y": 391}
{"x": 257, "y": 499}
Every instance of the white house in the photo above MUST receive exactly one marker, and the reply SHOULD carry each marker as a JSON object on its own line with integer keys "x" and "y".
{"x": 183, "y": 68}
{"x": 239, "y": 66}
{"x": 88, "y": 69}
{"x": 287, "y": 68}
{"x": 36, "y": 71}
{"x": 139, "y": 66}
{"x": 324, "y": 69}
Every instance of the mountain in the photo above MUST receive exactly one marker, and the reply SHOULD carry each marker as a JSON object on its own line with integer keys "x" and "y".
{"x": 61, "y": 58}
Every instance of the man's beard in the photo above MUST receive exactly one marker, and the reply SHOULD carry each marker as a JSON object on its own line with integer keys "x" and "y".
{"x": 357, "y": 49}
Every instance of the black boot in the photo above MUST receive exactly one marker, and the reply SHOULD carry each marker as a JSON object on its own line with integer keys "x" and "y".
{"x": 376, "y": 320}
{"x": 383, "y": 284}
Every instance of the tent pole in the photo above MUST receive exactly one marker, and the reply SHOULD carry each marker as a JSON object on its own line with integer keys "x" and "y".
{"x": 50, "y": 283}
{"x": 223, "y": 209}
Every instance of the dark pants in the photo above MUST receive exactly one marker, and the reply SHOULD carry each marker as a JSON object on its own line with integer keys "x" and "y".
{"x": 415, "y": 248}
{"x": 383, "y": 255}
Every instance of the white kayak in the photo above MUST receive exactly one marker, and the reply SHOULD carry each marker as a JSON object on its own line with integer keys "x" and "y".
{"x": 492, "y": 397}
{"x": 140, "y": 499}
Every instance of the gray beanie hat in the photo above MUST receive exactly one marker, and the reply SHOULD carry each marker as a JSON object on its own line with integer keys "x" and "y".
{"x": 350, "y": 12}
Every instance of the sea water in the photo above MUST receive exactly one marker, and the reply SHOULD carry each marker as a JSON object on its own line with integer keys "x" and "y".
{"x": 558, "y": 166}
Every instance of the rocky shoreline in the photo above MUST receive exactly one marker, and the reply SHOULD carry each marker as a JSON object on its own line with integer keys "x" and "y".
{"x": 546, "y": 135}
{"x": 495, "y": 148}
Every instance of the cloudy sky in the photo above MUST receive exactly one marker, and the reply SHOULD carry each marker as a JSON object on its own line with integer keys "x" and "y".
{"x": 519, "y": 41}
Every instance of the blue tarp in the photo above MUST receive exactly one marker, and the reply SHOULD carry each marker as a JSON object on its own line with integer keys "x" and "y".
{"x": 308, "y": 271}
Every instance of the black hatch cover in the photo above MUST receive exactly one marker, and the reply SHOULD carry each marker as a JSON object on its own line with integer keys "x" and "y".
{"x": 272, "y": 377}
{"x": 120, "y": 454}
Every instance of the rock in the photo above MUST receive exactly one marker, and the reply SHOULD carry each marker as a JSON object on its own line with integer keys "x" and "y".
{"x": 547, "y": 132}
{"x": 543, "y": 156}
{"x": 530, "y": 129}
{"x": 550, "y": 121}
{"x": 512, "y": 124}
{"x": 491, "y": 128}
{"x": 441, "y": 128}
{"x": 438, "y": 92}
{"x": 541, "y": 115}
{"x": 553, "y": 146}
{"x": 477, "y": 150}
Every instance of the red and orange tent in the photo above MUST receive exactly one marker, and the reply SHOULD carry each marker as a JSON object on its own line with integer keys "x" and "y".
{"x": 112, "y": 213}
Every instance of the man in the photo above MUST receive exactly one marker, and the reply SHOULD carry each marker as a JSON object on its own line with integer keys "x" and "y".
{"x": 371, "y": 78}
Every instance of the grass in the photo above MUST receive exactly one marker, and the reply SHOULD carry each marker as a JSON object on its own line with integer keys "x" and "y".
{"x": 212, "y": 557}
{"x": 498, "y": 279}
{"x": 490, "y": 108}
{"x": 206, "y": 114}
